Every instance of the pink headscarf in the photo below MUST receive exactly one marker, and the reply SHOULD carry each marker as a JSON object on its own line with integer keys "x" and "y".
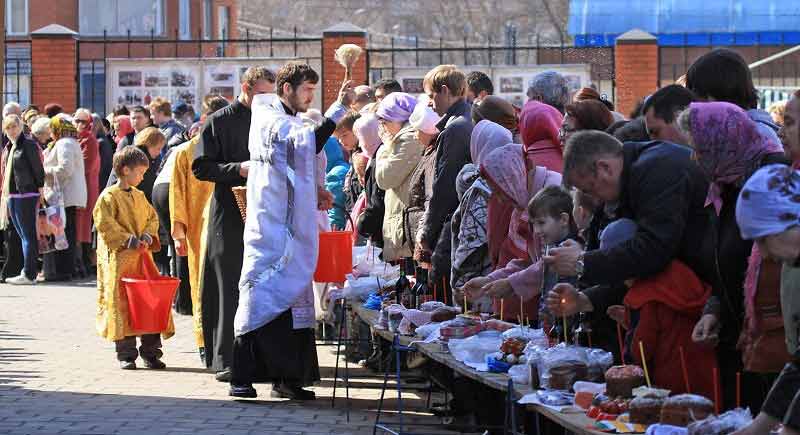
{"x": 124, "y": 127}
{"x": 505, "y": 167}
{"x": 539, "y": 124}
{"x": 727, "y": 144}
{"x": 486, "y": 137}
{"x": 366, "y": 130}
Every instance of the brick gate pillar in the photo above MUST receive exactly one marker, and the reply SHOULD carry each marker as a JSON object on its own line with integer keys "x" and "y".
{"x": 54, "y": 67}
{"x": 635, "y": 68}
{"x": 332, "y": 72}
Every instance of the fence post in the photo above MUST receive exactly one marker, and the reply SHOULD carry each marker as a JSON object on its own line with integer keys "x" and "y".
{"x": 332, "y": 71}
{"x": 635, "y": 67}
{"x": 54, "y": 67}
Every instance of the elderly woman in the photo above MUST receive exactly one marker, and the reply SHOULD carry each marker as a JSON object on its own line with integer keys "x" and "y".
{"x": 370, "y": 222}
{"x": 768, "y": 212}
{"x": 23, "y": 179}
{"x": 424, "y": 121}
{"x": 90, "y": 149}
{"x": 584, "y": 115}
{"x": 539, "y": 126}
{"x": 395, "y": 162}
{"x": 40, "y": 130}
{"x": 63, "y": 168}
{"x": 729, "y": 148}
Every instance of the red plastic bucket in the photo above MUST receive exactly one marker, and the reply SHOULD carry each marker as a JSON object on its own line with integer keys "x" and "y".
{"x": 150, "y": 298}
{"x": 335, "y": 256}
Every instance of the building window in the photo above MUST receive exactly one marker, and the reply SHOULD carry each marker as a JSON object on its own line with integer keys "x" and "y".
{"x": 185, "y": 19}
{"x": 118, "y": 17}
{"x": 93, "y": 85}
{"x": 17, "y": 74}
{"x": 17, "y": 17}
{"x": 207, "y": 10}
{"x": 223, "y": 27}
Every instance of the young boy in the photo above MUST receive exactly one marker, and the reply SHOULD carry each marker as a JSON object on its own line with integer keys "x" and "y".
{"x": 127, "y": 227}
{"x": 660, "y": 312}
{"x": 550, "y": 214}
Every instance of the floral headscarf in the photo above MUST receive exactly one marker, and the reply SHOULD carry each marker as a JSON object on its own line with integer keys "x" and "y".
{"x": 727, "y": 144}
{"x": 487, "y": 137}
{"x": 505, "y": 166}
{"x": 62, "y": 126}
{"x": 468, "y": 174}
{"x": 769, "y": 203}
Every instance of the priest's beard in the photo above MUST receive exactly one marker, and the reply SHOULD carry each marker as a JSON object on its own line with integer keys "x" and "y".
{"x": 297, "y": 102}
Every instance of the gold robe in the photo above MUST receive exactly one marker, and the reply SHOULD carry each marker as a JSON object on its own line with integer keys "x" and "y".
{"x": 118, "y": 215}
{"x": 188, "y": 197}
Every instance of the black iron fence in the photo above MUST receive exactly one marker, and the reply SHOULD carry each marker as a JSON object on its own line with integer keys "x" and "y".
{"x": 17, "y": 83}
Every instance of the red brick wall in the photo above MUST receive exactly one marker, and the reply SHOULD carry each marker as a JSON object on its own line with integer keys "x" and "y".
{"x": 636, "y": 70}
{"x": 333, "y": 73}
{"x": 45, "y": 12}
{"x": 54, "y": 70}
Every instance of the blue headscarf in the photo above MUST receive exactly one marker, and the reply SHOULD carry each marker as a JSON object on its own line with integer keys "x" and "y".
{"x": 769, "y": 202}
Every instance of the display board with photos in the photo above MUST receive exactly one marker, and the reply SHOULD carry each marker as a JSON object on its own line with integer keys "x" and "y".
{"x": 138, "y": 81}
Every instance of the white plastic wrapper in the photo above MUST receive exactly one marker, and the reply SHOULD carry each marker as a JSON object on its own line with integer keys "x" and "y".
{"x": 724, "y": 424}
{"x": 519, "y": 374}
{"x": 527, "y": 334}
{"x": 560, "y": 355}
{"x": 360, "y": 288}
{"x": 474, "y": 349}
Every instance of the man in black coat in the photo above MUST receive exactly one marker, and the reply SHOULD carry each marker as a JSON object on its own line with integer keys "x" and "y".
{"x": 655, "y": 184}
{"x": 222, "y": 157}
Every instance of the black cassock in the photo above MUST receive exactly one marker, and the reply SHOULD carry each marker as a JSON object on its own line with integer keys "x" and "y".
{"x": 218, "y": 156}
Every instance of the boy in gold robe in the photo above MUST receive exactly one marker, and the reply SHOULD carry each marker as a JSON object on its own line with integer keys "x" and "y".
{"x": 127, "y": 227}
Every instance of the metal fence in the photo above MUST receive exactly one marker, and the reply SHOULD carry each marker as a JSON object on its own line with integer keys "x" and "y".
{"x": 93, "y": 54}
{"x": 384, "y": 61}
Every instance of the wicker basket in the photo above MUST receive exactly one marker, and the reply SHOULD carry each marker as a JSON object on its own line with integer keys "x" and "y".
{"x": 240, "y": 193}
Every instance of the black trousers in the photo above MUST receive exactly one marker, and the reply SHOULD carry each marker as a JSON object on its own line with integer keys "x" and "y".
{"x": 783, "y": 401}
{"x": 12, "y": 250}
{"x": 60, "y": 265}
{"x": 174, "y": 265}
{"x": 150, "y": 347}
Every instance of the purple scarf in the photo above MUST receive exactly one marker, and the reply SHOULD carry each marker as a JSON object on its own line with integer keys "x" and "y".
{"x": 396, "y": 107}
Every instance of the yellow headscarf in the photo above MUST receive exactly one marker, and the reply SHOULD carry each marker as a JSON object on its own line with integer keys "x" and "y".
{"x": 62, "y": 126}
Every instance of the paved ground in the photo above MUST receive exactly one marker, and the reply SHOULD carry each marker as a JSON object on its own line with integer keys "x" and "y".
{"x": 58, "y": 376}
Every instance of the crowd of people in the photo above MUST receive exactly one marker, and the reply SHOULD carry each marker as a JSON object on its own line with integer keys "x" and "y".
{"x": 678, "y": 222}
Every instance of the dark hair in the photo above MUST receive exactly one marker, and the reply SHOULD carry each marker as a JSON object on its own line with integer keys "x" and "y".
{"x": 388, "y": 86}
{"x": 106, "y": 124}
{"x": 582, "y": 199}
{"x": 129, "y": 157}
{"x": 53, "y": 109}
{"x": 550, "y": 201}
{"x": 584, "y": 148}
{"x": 584, "y": 94}
{"x": 637, "y": 109}
{"x": 634, "y": 130}
{"x": 295, "y": 73}
{"x": 478, "y": 81}
{"x": 668, "y": 101}
{"x": 723, "y": 75}
{"x": 347, "y": 121}
{"x": 212, "y": 103}
{"x": 590, "y": 115}
{"x": 141, "y": 109}
{"x": 120, "y": 109}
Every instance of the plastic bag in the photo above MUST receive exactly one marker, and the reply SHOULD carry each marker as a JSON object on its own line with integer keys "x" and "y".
{"x": 599, "y": 362}
{"x": 561, "y": 366}
{"x": 519, "y": 374}
{"x": 360, "y": 288}
{"x": 474, "y": 349}
{"x": 726, "y": 423}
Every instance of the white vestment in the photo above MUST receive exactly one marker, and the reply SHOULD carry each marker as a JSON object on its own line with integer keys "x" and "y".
{"x": 281, "y": 235}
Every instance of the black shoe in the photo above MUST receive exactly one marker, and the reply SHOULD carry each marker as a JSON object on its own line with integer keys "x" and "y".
{"x": 292, "y": 392}
{"x": 223, "y": 375}
{"x": 245, "y": 391}
{"x": 202, "y": 352}
{"x": 127, "y": 365}
{"x": 155, "y": 364}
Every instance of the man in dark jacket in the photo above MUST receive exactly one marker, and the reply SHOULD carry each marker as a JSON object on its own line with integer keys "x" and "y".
{"x": 445, "y": 85}
{"x": 657, "y": 185}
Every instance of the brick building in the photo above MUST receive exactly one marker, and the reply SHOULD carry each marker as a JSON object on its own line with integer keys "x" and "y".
{"x": 55, "y": 46}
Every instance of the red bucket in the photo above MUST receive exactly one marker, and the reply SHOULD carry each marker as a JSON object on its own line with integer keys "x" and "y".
{"x": 335, "y": 256}
{"x": 150, "y": 298}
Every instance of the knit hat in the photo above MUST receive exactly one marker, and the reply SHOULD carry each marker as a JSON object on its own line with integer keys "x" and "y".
{"x": 617, "y": 233}
{"x": 424, "y": 119}
{"x": 397, "y": 107}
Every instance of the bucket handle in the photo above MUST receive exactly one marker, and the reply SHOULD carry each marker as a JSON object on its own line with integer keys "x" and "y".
{"x": 148, "y": 265}
{"x": 347, "y": 215}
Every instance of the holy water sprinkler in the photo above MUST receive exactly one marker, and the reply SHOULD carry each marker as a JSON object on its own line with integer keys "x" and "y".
{"x": 347, "y": 55}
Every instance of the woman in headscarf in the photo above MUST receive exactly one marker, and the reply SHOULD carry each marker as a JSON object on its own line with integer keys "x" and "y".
{"x": 396, "y": 161}
{"x": 90, "y": 148}
{"x": 498, "y": 110}
{"x": 729, "y": 148}
{"x": 335, "y": 173}
{"x": 789, "y": 133}
{"x": 63, "y": 168}
{"x": 370, "y": 222}
{"x": 506, "y": 175}
{"x": 539, "y": 125}
{"x": 424, "y": 121}
{"x": 122, "y": 129}
{"x": 22, "y": 181}
{"x": 470, "y": 224}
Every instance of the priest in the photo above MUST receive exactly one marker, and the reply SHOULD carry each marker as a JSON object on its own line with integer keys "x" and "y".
{"x": 221, "y": 157}
{"x": 275, "y": 318}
